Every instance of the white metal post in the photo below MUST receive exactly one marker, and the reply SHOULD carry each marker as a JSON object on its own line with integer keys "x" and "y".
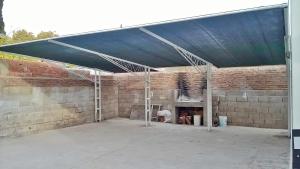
{"x": 95, "y": 94}
{"x": 209, "y": 97}
{"x": 146, "y": 102}
{"x": 147, "y": 96}
{"x": 97, "y": 83}
{"x": 100, "y": 99}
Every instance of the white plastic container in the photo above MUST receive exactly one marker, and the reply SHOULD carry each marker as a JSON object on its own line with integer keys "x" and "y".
{"x": 223, "y": 121}
{"x": 197, "y": 120}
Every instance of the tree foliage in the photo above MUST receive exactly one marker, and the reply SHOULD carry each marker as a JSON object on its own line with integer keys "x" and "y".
{"x": 22, "y": 36}
{"x": 44, "y": 35}
{"x": 1, "y": 18}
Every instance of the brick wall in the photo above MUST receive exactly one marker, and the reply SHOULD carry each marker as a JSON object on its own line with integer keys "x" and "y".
{"x": 254, "y": 108}
{"x": 255, "y": 97}
{"x": 251, "y": 96}
{"x": 36, "y": 96}
{"x": 109, "y": 97}
{"x": 131, "y": 91}
{"x": 251, "y": 78}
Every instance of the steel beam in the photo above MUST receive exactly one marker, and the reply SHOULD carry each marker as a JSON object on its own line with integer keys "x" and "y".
{"x": 54, "y": 61}
{"x": 221, "y": 46}
{"x": 57, "y": 63}
{"x": 109, "y": 58}
{"x": 171, "y": 43}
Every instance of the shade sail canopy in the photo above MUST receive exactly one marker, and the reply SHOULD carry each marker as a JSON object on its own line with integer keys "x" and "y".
{"x": 245, "y": 38}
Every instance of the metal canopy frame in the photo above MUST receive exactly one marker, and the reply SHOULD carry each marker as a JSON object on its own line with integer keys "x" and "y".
{"x": 128, "y": 46}
{"x": 281, "y": 5}
{"x": 132, "y": 67}
{"x": 195, "y": 61}
{"x": 128, "y": 66}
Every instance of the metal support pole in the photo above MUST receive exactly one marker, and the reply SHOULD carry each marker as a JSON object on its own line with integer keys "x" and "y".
{"x": 97, "y": 83}
{"x": 147, "y": 97}
{"x": 146, "y": 102}
{"x": 209, "y": 98}
{"x": 100, "y": 99}
{"x": 95, "y": 95}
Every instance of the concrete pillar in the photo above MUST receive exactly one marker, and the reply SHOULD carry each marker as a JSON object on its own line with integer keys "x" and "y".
{"x": 288, "y": 68}
{"x": 294, "y": 29}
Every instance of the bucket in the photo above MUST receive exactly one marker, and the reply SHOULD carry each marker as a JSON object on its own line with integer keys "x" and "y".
{"x": 197, "y": 120}
{"x": 223, "y": 121}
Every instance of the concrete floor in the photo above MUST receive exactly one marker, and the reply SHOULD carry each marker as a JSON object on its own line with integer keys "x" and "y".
{"x": 125, "y": 144}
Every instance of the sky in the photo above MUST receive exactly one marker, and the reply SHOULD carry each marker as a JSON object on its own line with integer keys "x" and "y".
{"x": 74, "y": 16}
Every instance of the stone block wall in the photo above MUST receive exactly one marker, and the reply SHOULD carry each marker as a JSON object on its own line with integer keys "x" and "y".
{"x": 109, "y": 97}
{"x": 249, "y": 96}
{"x": 253, "y": 108}
{"x": 254, "y": 96}
{"x": 37, "y": 96}
{"x": 131, "y": 91}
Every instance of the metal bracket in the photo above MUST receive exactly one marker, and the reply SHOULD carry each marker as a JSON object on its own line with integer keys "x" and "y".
{"x": 195, "y": 62}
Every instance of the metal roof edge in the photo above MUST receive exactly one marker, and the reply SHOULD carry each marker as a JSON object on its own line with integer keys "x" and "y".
{"x": 283, "y": 5}
{"x": 53, "y": 61}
